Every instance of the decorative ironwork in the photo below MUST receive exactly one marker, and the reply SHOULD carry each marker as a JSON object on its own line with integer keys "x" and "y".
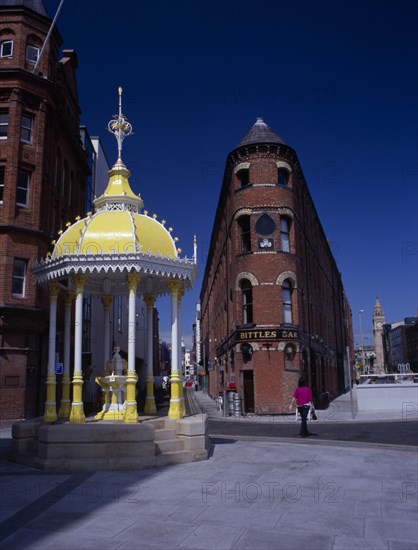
{"x": 120, "y": 127}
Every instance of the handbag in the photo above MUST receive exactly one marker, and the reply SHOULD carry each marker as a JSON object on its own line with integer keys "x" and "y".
{"x": 313, "y": 414}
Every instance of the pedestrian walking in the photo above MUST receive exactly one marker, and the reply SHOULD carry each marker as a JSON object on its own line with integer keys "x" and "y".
{"x": 304, "y": 400}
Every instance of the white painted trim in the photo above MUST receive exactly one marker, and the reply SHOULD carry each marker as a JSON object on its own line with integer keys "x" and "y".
{"x": 241, "y": 166}
{"x": 246, "y": 275}
{"x": 287, "y": 275}
{"x": 283, "y": 164}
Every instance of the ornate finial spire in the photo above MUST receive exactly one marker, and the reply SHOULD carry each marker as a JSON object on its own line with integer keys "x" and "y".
{"x": 120, "y": 127}
{"x": 118, "y": 191}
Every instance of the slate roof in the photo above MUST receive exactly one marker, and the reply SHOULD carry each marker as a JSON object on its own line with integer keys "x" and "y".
{"x": 35, "y": 5}
{"x": 260, "y": 133}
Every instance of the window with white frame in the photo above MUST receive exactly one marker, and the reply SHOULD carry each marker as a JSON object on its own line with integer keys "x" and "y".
{"x": 19, "y": 277}
{"x": 287, "y": 301}
{"x": 246, "y": 301}
{"x": 4, "y": 124}
{"x": 32, "y": 54}
{"x": 284, "y": 234}
{"x": 2, "y": 172}
{"x": 22, "y": 188}
{"x": 6, "y": 48}
{"x": 26, "y": 127}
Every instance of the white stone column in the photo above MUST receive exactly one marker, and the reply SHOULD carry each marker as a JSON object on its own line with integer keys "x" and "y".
{"x": 150, "y": 407}
{"x": 131, "y": 411}
{"x": 175, "y": 410}
{"x": 50, "y": 414}
{"x": 77, "y": 408}
{"x": 180, "y": 363}
{"x": 65, "y": 407}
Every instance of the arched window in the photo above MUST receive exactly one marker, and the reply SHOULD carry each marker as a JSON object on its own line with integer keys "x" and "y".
{"x": 287, "y": 301}
{"x": 246, "y": 301}
{"x": 284, "y": 234}
{"x": 245, "y": 229}
{"x": 282, "y": 176}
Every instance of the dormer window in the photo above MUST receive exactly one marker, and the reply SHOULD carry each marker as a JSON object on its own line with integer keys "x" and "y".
{"x": 282, "y": 176}
{"x": 244, "y": 177}
{"x": 6, "y": 48}
{"x": 32, "y": 54}
{"x": 242, "y": 172}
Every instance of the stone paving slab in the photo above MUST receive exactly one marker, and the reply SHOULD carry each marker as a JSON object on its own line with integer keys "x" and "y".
{"x": 261, "y": 494}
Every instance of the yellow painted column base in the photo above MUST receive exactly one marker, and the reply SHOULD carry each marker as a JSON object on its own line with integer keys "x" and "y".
{"x": 50, "y": 414}
{"x": 118, "y": 416}
{"x": 175, "y": 411}
{"x": 65, "y": 409}
{"x": 176, "y": 407}
{"x": 131, "y": 414}
{"x": 99, "y": 415}
{"x": 65, "y": 405}
{"x": 150, "y": 407}
{"x": 77, "y": 414}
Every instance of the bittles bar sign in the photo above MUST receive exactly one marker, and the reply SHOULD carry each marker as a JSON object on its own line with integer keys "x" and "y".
{"x": 265, "y": 334}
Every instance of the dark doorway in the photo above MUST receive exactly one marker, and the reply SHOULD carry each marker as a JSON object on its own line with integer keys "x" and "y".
{"x": 248, "y": 385}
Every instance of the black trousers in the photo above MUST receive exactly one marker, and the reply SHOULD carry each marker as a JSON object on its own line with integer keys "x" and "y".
{"x": 303, "y": 411}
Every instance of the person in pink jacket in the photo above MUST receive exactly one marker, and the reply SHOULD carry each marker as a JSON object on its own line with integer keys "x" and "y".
{"x": 303, "y": 397}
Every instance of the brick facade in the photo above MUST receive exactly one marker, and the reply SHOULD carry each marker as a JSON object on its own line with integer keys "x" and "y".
{"x": 43, "y": 169}
{"x": 268, "y": 247}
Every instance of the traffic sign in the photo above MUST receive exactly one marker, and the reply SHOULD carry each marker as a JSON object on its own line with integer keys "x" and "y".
{"x": 59, "y": 368}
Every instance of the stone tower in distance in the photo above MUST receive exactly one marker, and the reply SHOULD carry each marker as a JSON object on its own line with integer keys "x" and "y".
{"x": 378, "y": 322}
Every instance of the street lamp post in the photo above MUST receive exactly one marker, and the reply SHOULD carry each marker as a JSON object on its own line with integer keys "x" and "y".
{"x": 362, "y": 344}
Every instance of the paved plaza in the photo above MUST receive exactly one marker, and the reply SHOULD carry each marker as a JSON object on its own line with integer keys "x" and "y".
{"x": 252, "y": 493}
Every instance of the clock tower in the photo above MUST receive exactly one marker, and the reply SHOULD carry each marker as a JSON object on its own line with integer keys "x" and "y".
{"x": 378, "y": 322}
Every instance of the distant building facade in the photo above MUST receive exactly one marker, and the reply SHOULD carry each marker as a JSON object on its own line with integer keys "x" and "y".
{"x": 411, "y": 335}
{"x": 272, "y": 303}
{"x": 403, "y": 343}
{"x": 43, "y": 171}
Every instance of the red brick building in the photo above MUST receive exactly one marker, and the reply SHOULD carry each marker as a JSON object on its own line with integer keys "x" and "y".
{"x": 42, "y": 184}
{"x": 272, "y": 301}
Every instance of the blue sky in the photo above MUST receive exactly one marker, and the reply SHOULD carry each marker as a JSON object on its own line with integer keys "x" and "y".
{"x": 336, "y": 80}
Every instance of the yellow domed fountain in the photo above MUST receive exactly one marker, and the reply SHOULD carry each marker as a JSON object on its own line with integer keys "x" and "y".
{"x": 117, "y": 250}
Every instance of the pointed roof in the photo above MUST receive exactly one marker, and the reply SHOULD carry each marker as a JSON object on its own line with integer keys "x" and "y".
{"x": 378, "y": 309}
{"x": 260, "y": 133}
{"x": 35, "y": 5}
